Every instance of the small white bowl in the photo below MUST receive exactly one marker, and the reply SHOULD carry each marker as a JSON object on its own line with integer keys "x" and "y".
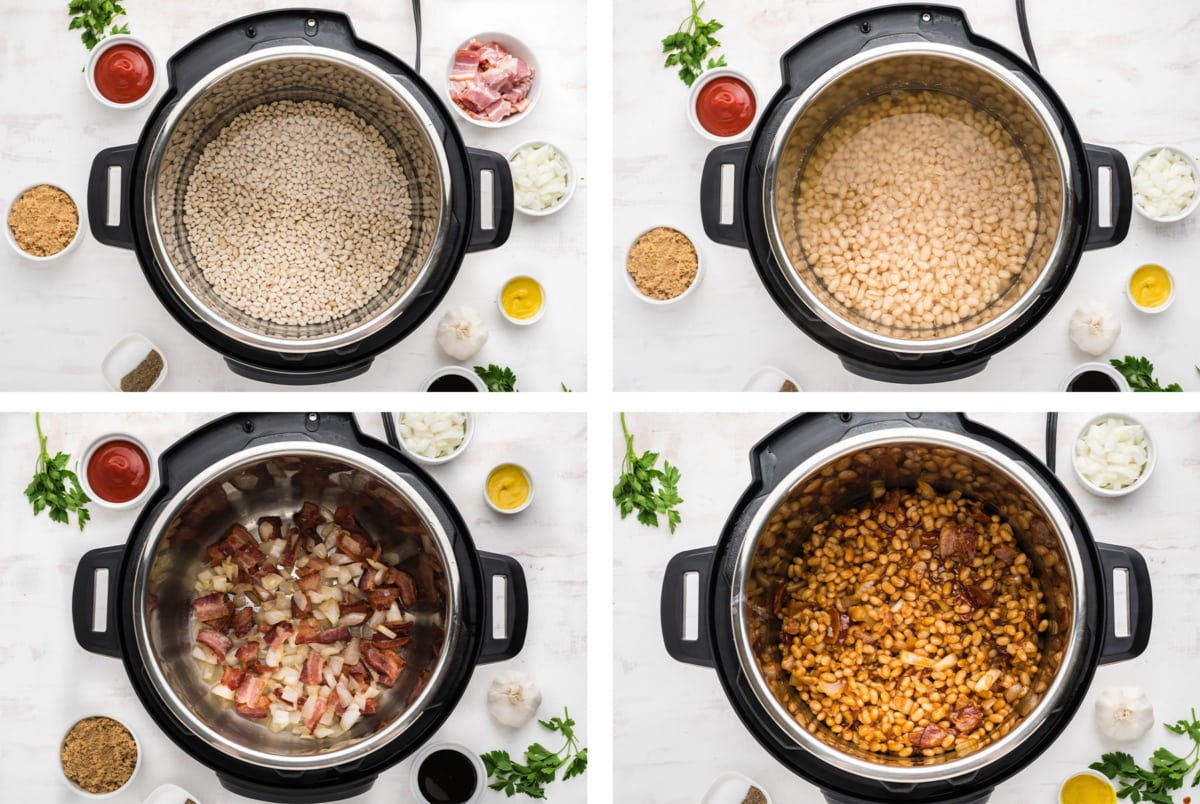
{"x": 81, "y": 471}
{"x": 1151, "y": 461}
{"x": 480, "y": 771}
{"x": 1151, "y": 310}
{"x": 633, "y": 288}
{"x": 572, "y": 179}
{"x": 457, "y": 371}
{"x": 731, "y": 788}
{"x": 98, "y": 51}
{"x": 519, "y": 508}
{"x": 522, "y": 322}
{"x": 427, "y": 461}
{"x": 693, "y": 96}
{"x": 1195, "y": 175}
{"x": 769, "y": 378}
{"x": 170, "y": 794}
{"x": 136, "y": 768}
{"x": 517, "y": 48}
{"x": 1085, "y": 772}
{"x": 1104, "y": 368}
{"x": 125, "y": 355}
{"x": 79, "y": 214}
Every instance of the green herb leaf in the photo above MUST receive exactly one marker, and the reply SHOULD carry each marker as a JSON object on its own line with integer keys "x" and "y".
{"x": 1167, "y": 771}
{"x": 55, "y": 488}
{"x": 541, "y": 764}
{"x": 497, "y": 378}
{"x": 636, "y": 487}
{"x": 92, "y": 17}
{"x": 1139, "y": 372}
{"x": 688, "y": 47}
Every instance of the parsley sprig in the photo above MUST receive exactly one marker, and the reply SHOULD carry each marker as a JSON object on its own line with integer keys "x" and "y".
{"x": 541, "y": 765}
{"x": 1139, "y": 371}
{"x": 1167, "y": 771}
{"x": 55, "y": 488}
{"x": 92, "y": 17}
{"x": 635, "y": 489}
{"x": 497, "y": 378}
{"x": 690, "y": 44}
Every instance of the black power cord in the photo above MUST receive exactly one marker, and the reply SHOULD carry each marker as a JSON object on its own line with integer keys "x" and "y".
{"x": 1023, "y": 23}
{"x": 417, "y": 25}
{"x": 1051, "y": 439}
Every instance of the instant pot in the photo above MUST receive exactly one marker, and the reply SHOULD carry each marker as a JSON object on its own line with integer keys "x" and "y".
{"x": 299, "y": 55}
{"x": 235, "y": 470}
{"x": 912, "y": 47}
{"x": 818, "y": 464}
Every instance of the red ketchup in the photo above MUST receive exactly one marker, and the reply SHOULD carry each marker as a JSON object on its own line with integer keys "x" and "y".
{"x": 725, "y": 106}
{"x": 118, "y": 471}
{"x": 124, "y": 73}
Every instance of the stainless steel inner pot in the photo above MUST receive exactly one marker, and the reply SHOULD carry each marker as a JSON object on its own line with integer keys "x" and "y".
{"x": 958, "y": 71}
{"x": 296, "y": 73}
{"x": 273, "y": 480}
{"x": 847, "y": 473}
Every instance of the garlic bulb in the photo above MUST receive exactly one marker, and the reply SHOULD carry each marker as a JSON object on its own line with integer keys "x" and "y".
{"x": 1094, "y": 327}
{"x": 461, "y": 333}
{"x": 1124, "y": 713}
{"x": 513, "y": 699}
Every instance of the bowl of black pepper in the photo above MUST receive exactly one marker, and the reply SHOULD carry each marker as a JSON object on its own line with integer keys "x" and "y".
{"x": 134, "y": 364}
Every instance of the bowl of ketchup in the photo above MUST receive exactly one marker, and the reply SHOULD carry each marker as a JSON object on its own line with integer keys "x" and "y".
{"x": 722, "y": 105}
{"x": 116, "y": 471}
{"x": 122, "y": 72}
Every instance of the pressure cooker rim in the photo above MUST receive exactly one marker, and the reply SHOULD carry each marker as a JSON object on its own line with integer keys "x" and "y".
{"x": 975, "y": 762}
{"x": 839, "y": 323}
{"x": 177, "y": 709}
{"x": 195, "y": 306}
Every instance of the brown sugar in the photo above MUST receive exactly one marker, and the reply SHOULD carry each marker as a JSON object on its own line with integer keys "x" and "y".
{"x": 662, "y": 263}
{"x": 99, "y": 754}
{"x": 43, "y": 220}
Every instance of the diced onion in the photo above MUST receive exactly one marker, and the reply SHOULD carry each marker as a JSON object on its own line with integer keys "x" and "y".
{"x": 432, "y": 435}
{"x": 1112, "y": 453}
{"x": 1164, "y": 184}
{"x": 540, "y": 177}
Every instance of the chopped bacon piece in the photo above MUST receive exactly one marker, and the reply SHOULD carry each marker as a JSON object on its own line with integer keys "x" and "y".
{"x": 382, "y": 599}
{"x": 344, "y": 517}
{"x": 308, "y": 517}
{"x": 243, "y": 621}
{"x": 408, "y": 587}
{"x": 269, "y": 527}
{"x": 1005, "y": 554}
{"x": 248, "y": 558}
{"x": 352, "y": 544}
{"x": 333, "y": 635}
{"x": 966, "y": 719}
{"x": 957, "y": 541}
{"x": 370, "y": 706}
{"x": 387, "y": 643}
{"x": 215, "y": 555}
{"x": 300, "y": 605}
{"x": 466, "y": 64}
{"x": 314, "y": 565}
{"x": 219, "y": 643}
{"x": 308, "y": 630}
{"x": 247, "y": 653}
{"x": 355, "y": 614}
{"x": 231, "y": 677}
{"x": 311, "y": 672}
{"x": 250, "y": 690}
{"x": 212, "y": 607}
{"x": 318, "y": 712}
{"x": 978, "y": 598}
{"x": 366, "y": 581}
{"x": 310, "y": 582}
{"x": 257, "y": 710}
{"x": 385, "y": 662}
{"x": 932, "y": 736}
{"x": 839, "y": 625}
{"x": 356, "y": 671}
{"x": 288, "y": 556}
{"x": 278, "y": 633}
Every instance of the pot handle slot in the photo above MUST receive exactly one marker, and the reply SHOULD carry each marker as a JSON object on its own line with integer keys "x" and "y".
{"x": 304, "y": 377}
{"x": 1117, "y": 202}
{"x": 1117, "y": 647}
{"x": 492, "y": 231}
{"x": 101, "y": 190}
{"x": 293, "y": 793}
{"x": 516, "y": 608}
{"x": 83, "y": 601}
{"x": 674, "y": 605}
{"x": 718, "y": 185}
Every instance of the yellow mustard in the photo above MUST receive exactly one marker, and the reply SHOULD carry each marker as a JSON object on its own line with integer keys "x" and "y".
{"x": 508, "y": 487}
{"x": 1150, "y": 286}
{"x": 521, "y": 297}
{"x": 1084, "y": 788}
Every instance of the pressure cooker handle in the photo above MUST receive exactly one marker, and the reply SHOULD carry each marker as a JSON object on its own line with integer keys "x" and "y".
{"x": 1120, "y": 196}
{"x": 299, "y": 376}
{"x": 119, "y": 234}
{"x": 974, "y": 797}
{"x": 493, "y": 232}
{"x": 673, "y": 607}
{"x": 1140, "y": 602}
{"x": 712, "y": 189}
{"x": 296, "y": 792}
{"x": 83, "y": 601}
{"x": 516, "y": 608}
{"x": 914, "y": 373}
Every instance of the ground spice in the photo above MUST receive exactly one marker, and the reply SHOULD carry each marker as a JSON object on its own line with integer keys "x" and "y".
{"x": 789, "y": 386}
{"x": 99, "y": 754}
{"x": 754, "y": 796}
{"x": 43, "y": 220}
{"x": 663, "y": 263}
{"x": 142, "y": 377}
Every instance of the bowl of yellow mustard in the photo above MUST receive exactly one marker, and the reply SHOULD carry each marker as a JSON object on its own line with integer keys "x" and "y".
{"x": 1087, "y": 787}
{"x": 509, "y": 489}
{"x": 1151, "y": 288}
{"x": 522, "y": 300}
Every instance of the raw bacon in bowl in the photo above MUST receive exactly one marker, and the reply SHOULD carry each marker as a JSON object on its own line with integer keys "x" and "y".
{"x": 493, "y": 80}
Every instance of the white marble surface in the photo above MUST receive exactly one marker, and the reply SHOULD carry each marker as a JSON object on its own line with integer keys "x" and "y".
{"x": 61, "y": 318}
{"x": 1128, "y": 79}
{"x": 674, "y": 729}
{"x": 47, "y": 681}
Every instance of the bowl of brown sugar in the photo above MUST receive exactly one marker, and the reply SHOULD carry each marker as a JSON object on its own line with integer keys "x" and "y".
{"x": 43, "y": 223}
{"x": 99, "y": 756}
{"x": 663, "y": 266}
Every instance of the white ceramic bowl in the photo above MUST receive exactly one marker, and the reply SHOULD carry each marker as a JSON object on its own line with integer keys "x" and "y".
{"x": 81, "y": 471}
{"x": 124, "y": 357}
{"x": 427, "y": 461}
{"x": 457, "y": 371}
{"x": 731, "y": 787}
{"x": 1104, "y": 368}
{"x": 1195, "y": 195}
{"x": 480, "y": 771}
{"x": 1085, "y": 772}
{"x": 170, "y": 794}
{"x": 769, "y": 379}
{"x": 699, "y": 84}
{"x": 80, "y": 215}
{"x": 519, "y": 508}
{"x": 1151, "y": 461}
{"x": 1151, "y": 310}
{"x": 126, "y": 39}
{"x": 633, "y": 288}
{"x": 136, "y": 768}
{"x": 572, "y": 179}
{"x": 522, "y": 322}
{"x": 517, "y": 48}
